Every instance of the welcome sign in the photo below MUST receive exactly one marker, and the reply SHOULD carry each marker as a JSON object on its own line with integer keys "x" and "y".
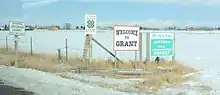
{"x": 126, "y": 38}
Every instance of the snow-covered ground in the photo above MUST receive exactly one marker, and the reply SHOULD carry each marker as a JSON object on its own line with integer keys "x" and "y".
{"x": 42, "y": 83}
{"x": 197, "y": 50}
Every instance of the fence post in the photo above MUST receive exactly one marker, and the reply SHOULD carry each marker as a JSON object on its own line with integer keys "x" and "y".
{"x": 59, "y": 54}
{"x": 66, "y": 50}
{"x": 90, "y": 48}
{"x": 31, "y": 46}
{"x": 6, "y": 43}
{"x": 115, "y": 61}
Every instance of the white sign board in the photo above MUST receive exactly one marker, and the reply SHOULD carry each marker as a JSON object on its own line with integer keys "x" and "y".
{"x": 126, "y": 38}
{"x": 16, "y": 28}
{"x": 90, "y": 24}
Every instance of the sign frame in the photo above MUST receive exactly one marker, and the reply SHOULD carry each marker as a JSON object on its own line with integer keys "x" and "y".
{"x": 18, "y": 33}
{"x": 173, "y": 44}
{"x": 93, "y": 18}
{"x": 114, "y": 38}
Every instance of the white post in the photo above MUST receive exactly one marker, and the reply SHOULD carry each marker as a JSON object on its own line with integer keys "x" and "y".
{"x": 115, "y": 61}
{"x": 148, "y": 48}
{"x": 174, "y": 53}
{"x": 135, "y": 60}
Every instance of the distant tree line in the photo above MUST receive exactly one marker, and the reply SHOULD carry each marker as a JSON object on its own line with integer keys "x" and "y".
{"x": 4, "y": 27}
{"x": 68, "y": 27}
{"x": 80, "y": 27}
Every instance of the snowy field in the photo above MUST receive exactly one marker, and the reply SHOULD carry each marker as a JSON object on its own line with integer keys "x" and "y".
{"x": 50, "y": 41}
{"x": 200, "y": 50}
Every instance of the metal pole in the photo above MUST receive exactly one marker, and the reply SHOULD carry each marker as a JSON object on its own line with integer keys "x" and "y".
{"x": 6, "y": 43}
{"x": 135, "y": 60}
{"x": 66, "y": 50}
{"x": 140, "y": 51}
{"x": 16, "y": 50}
{"x": 148, "y": 48}
{"x": 174, "y": 55}
{"x": 31, "y": 46}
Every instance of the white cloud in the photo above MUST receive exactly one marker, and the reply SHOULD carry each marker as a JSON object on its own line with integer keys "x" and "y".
{"x": 33, "y": 3}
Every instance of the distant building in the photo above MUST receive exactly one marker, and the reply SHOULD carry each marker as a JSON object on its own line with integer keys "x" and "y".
{"x": 67, "y": 26}
{"x": 53, "y": 28}
{"x": 2, "y": 28}
{"x": 29, "y": 28}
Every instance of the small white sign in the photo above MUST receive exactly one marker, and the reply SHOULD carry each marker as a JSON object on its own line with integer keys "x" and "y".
{"x": 16, "y": 28}
{"x": 162, "y": 36}
{"x": 126, "y": 38}
{"x": 90, "y": 24}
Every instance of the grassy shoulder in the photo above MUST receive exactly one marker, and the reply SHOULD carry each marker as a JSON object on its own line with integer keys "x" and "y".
{"x": 172, "y": 77}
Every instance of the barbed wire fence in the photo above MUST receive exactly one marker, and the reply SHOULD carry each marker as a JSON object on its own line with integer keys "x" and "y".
{"x": 29, "y": 46}
{"x": 63, "y": 53}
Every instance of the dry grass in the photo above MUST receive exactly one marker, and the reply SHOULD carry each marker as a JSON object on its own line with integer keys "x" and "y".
{"x": 43, "y": 62}
{"x": 49, "y": 63}
{"x": 173, "y": 77}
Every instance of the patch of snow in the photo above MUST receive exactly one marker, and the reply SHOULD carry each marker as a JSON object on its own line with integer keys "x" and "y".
{"x": 101, "y": 79}
{"x": 43, "y": 83}
{"x": 190, "y": 74}
{"x": 122, "y": 83}
{"x": 184, "y": 91}
{"x": 198, "y": 58}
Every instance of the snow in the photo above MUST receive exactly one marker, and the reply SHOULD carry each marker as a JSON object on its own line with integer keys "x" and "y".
{"x": 97, "y": 79}
{"x": 43, "y": 83}
{"x": 197, "y": 50}
{"x": 123, "y": 83}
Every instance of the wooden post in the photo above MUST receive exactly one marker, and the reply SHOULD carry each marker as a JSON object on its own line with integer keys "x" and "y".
{"x": 59, "y": 54}
{"x": 31, "y": 45}
{"x": 115, "y": 60}
{"x": 90, "y": 48}
{"x": 6, "y": 43}
{"x": 174, "y": 55}
{"x": 66, "y": 50}
{"x": 16, "y": 50}
{"x": 140, "y": 51}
